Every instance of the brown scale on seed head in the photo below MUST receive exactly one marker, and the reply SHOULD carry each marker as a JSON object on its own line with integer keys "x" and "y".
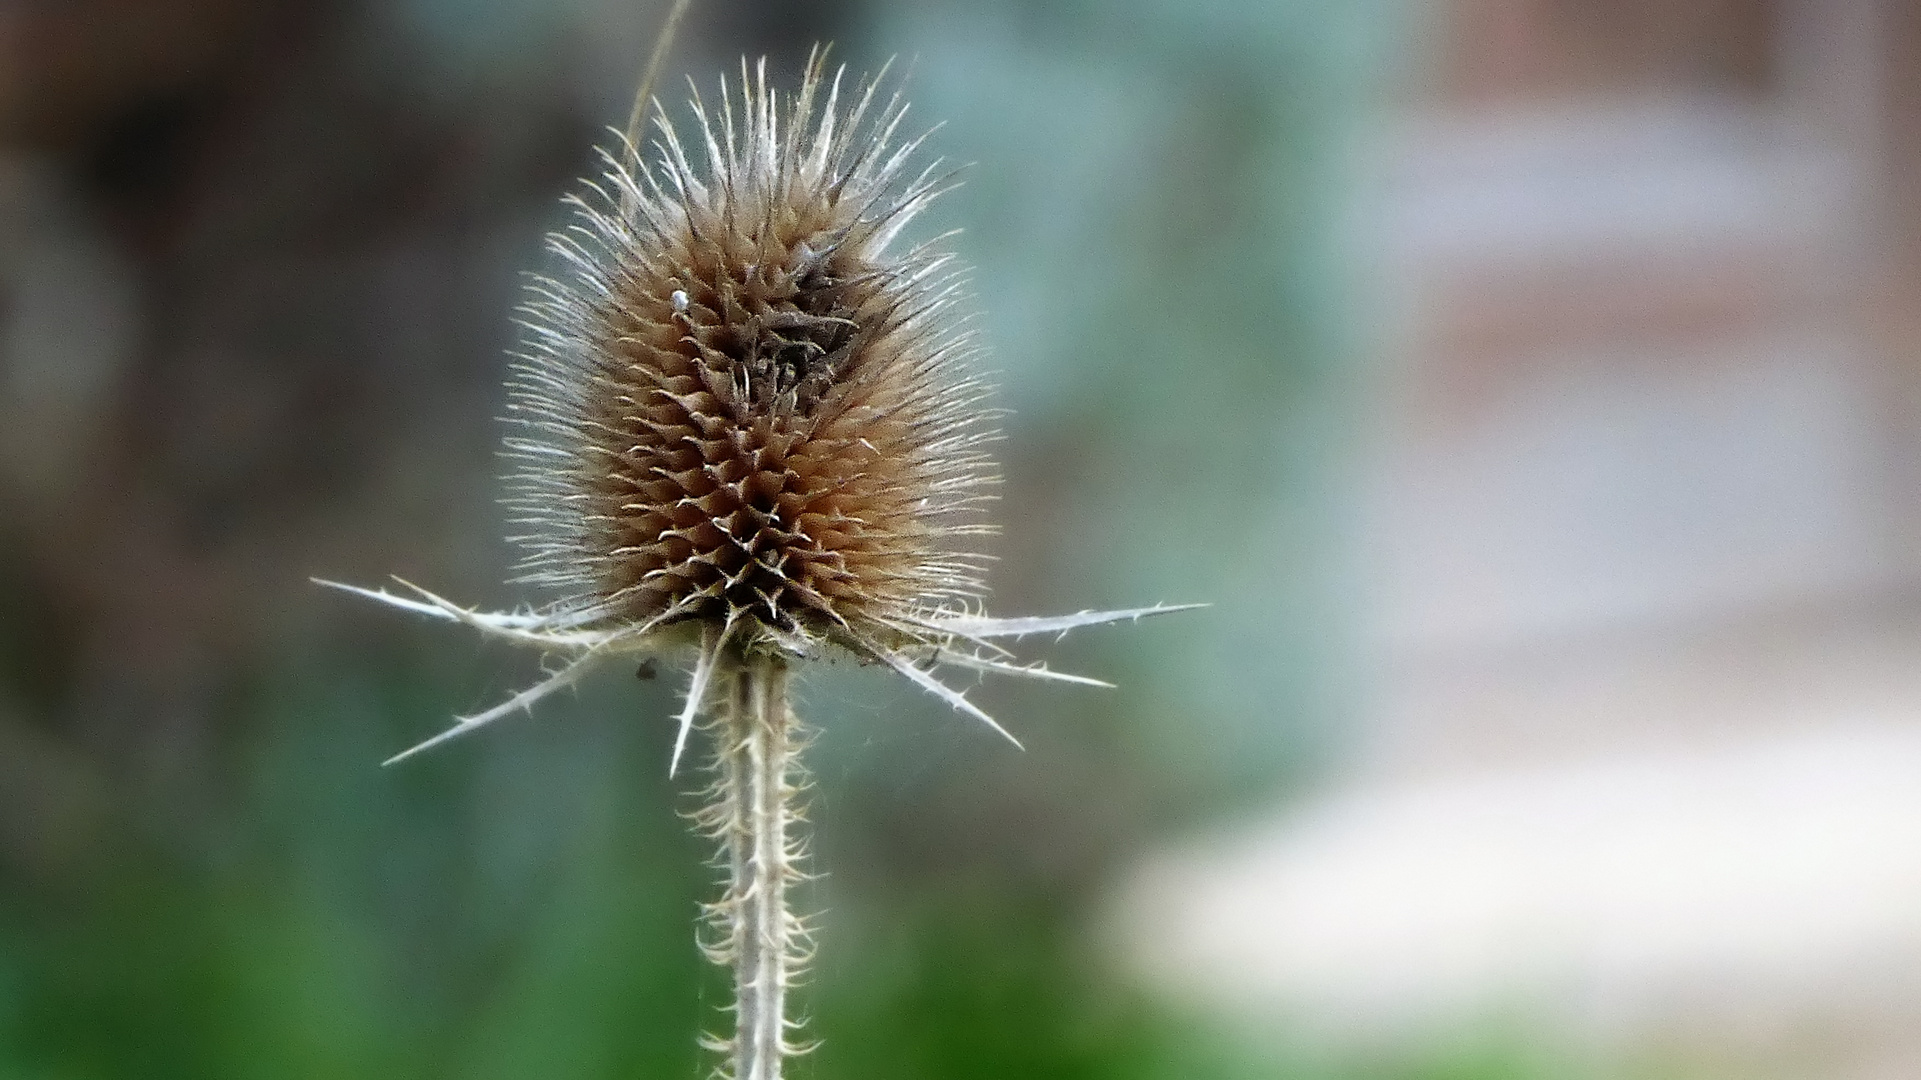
{"x": 745, "y": 409}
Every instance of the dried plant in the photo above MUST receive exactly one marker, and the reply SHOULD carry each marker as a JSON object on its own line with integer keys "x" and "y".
{"x": 746, "y": 437}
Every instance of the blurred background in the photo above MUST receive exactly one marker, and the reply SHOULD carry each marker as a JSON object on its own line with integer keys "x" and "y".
{"x": 1529, "y": 384}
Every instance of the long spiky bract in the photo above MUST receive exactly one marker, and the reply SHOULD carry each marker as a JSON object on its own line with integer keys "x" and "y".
{"x": 744, "y": 436}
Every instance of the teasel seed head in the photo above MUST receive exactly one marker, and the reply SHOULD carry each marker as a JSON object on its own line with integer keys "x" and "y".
{"x": 743, "y": 420}
{"x": 744, "y": 406}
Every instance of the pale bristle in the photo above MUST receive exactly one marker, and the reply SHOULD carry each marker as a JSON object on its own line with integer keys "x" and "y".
{"x": 745, "y": 408}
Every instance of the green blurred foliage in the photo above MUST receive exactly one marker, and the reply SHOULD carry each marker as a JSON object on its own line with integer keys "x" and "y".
{"x": 523, "y": 909}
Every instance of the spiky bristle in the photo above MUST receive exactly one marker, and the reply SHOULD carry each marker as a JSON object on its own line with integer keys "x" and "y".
{"x": 742, "y": 407}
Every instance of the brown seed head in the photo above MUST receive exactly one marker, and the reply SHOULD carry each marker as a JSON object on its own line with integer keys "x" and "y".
{"x": 741, "y": 408}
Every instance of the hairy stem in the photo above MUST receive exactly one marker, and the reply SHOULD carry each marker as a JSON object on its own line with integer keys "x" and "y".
{"x": 752, "y": 814}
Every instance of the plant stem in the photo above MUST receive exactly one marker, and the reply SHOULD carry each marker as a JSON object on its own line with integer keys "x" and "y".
{"x": 753, "y": 807}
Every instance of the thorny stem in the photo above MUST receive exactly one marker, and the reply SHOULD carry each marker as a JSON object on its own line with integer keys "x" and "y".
{"x": 753, "y": 804}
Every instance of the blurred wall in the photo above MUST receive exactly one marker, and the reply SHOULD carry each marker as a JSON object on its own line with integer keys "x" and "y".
{"x": 1641, "y": 564}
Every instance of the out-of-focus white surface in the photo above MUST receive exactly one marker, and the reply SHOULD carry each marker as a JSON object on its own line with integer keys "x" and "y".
{"x": 1755, "y": 879}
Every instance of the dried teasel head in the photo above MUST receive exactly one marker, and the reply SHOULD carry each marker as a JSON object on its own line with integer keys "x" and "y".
{"x": 745, "y": 404}
{"x": 743, "y": 420}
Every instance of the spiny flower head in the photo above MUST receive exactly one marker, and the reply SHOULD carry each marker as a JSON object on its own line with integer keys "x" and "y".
{"x": 743, "y": 423}
{"x": 745, "y": 407}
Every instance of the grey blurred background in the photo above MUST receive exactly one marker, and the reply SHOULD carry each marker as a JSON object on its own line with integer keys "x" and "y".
{"x": 1527, "y": 383}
